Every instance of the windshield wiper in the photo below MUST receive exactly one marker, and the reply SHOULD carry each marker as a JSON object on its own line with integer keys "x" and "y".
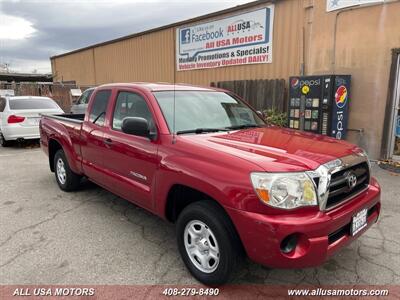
{"x": 243, "y": 126}
{"x": 204, "y": 130}
{"x": 201, "y": 130}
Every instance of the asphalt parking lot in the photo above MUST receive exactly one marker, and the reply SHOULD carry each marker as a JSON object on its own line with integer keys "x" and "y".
{"x": 93, "y": 237}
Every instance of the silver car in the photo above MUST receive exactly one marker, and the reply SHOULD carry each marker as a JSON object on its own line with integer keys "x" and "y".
{"x": 80, "y": 106}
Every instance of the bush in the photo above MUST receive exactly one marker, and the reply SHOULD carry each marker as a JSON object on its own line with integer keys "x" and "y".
{"x": 274, "y": 117}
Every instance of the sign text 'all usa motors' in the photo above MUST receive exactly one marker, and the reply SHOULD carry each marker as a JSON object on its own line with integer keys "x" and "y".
{"x": 237, "y": 40}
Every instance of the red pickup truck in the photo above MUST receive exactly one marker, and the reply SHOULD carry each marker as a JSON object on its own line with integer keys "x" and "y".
{"x": 205, "y": 160}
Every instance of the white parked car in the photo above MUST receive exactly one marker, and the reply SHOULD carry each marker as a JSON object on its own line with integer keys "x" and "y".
{"x": 20, "y": 116}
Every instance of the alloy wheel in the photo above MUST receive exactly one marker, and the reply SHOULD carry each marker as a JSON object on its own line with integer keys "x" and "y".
{"x": 61, "y": 173}
{"x": 201, "y": 246}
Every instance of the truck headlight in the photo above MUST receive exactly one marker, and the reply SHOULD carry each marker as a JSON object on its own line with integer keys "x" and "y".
{"x": 284, "y": 190}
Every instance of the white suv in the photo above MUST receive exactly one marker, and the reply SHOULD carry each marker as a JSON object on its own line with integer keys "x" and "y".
{"x": 20, "y": 116}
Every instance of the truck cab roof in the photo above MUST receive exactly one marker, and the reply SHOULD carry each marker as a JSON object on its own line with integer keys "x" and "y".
{"x": 160, "y": 86}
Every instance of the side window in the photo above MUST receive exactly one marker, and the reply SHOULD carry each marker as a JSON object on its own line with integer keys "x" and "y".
{"x": 100, "y": 102}
{"x": 87, "y": 96}
{"x": 2, "y": 104}
{"x": 129, "y": 104}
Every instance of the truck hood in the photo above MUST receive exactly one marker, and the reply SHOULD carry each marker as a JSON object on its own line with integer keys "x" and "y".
{"x": 276, "y": 149}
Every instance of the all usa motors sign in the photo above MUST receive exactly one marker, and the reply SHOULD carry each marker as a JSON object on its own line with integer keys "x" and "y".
{"x": 332, "y": 5}
{"x": 237, "y": 40}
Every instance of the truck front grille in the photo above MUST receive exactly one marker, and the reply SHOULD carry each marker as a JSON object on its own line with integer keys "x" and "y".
{"x": 339, "y": 190}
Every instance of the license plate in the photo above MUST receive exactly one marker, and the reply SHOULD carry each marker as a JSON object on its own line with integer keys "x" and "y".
{"x": 359, "y": 222}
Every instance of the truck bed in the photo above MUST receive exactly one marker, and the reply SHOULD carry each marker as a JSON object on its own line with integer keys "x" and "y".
{"x": 76, "y": 118}
{"x": 66, "y": 130}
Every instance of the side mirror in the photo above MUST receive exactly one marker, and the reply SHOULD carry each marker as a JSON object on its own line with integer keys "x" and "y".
{"x": 135, "y": 126}
{"x": 260, "y": 113}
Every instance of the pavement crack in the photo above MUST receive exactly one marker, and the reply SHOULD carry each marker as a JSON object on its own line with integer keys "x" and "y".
{"x": 33, "y": 226}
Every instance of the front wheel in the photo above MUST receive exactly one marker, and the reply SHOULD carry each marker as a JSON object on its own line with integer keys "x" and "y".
{"x": 208, "y": 243}
{"x": 66, "y": 179}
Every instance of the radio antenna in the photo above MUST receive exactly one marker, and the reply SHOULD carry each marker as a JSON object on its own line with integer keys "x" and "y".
{"x": 174, "y": 104}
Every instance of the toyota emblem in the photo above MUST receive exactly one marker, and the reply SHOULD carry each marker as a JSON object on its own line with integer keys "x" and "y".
{"x": 351, "y": 180}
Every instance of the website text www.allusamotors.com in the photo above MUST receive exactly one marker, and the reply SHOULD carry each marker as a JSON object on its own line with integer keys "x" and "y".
{"x": 338, "y": 292}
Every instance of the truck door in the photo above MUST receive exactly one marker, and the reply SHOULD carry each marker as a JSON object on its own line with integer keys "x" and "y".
{"x": 131, "y": 160}
{"x": 93, "y": 147}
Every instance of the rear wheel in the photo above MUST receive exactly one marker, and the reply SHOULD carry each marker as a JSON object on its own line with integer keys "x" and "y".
{"x": 66, "y": 179}
{"x": 208, "y": 243}
{"x": 3, "y": 141}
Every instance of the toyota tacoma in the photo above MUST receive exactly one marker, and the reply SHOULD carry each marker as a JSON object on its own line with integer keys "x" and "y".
{"x": 203, "y": 159}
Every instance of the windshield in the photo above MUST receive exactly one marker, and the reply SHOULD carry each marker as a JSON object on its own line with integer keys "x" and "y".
{"x": 203, "y": 109}
{"x": 33, "y": 103}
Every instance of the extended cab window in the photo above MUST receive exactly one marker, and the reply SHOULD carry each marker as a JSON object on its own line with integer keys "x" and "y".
{"x": 131, "y": 105}
{"x": 99, "y": 107}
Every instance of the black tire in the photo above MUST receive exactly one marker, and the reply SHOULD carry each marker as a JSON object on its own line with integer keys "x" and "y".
{"x": 72, "y": 180}
{"x": 3, "y": 141}
{"x": 230, "y": 248}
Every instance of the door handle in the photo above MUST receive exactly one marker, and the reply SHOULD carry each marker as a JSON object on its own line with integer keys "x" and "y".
{"x": 108, "y": 142}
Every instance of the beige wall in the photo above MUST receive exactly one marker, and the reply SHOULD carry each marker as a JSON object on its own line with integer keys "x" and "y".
{"x": 145, "y": 58}
{"x": 364, "y": 39}
{"x": 78, "y": 66}
{"x": 303, "y": 32}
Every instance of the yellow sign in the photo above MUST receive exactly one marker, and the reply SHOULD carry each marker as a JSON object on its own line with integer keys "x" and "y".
{"x": 305, "y": 89}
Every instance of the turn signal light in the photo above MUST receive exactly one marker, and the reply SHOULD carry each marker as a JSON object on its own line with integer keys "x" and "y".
{"x": 263, "y": 195}
{"x": 15, "y": 119}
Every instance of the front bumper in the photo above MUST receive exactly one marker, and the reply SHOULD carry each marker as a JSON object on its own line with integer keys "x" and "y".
{"x": 320, "y": 234}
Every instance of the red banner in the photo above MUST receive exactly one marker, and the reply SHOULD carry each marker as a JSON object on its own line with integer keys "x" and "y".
{"x": 196, "y": 291}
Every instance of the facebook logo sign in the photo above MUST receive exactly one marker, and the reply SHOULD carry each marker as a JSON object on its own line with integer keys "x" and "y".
{"x": 185, "y": 36}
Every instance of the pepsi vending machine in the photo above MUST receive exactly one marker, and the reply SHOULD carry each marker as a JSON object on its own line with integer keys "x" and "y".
{"x": 319, "y": 104}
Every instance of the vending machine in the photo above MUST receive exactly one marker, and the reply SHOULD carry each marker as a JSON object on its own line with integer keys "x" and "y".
{"x": 319, "y": 104}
